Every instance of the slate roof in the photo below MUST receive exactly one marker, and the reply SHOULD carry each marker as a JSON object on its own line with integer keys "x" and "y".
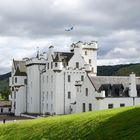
{"x": 20, "y": 67}
{"x": 113, "y": 85}
{"x": 62, "y": 57}
{"x": 19, "y": 73}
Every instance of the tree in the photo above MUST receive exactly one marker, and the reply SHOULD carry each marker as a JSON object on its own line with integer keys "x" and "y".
{"x": 5, "y": 93}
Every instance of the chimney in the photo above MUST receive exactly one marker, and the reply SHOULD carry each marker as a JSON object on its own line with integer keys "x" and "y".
{"x": 132, "y": 85}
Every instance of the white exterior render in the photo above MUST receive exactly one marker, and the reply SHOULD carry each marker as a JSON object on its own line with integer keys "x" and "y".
{"x": 51, "y": 80}
{"x": 102, "y": 92}
{"x": 17, "y": 83}
{"x": 66, "y": 82}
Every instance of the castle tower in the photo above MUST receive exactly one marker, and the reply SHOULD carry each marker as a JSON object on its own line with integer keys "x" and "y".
{"x": 34, "y": 69}
{"x": 89, "y": 53}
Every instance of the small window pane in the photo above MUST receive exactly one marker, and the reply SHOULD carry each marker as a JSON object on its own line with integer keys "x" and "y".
{"x": 90, "y": 107}
{"x": 77, "y": 64}
{"x": 69, "y": 78}
{"x": 84, "y": 107}
{"x": 86, "y": 91}
{"x": 110, "y": 106}
{"x": 122, "y": 105}
{"x": 69, "y": 95}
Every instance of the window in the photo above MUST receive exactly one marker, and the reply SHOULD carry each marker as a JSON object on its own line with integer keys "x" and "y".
{"x": 14, "y": 105}
{"x": 51, "y": 65}
{"x": 82, "y": 77}
{"x": 55, "y": 64}
{"x": 1, "y": 110}
{"x": 12, "y": 80}
{"x": 122, "y": 105}
{"x": 14, "y": 95}
{"x": 25, "y": 81}
{"x": 52, "y": 78}
{"x": 9, "y": 109}
{"x": 51, "y": 95}
{"x": 86, "y": 91}
{"x": 15, "y": 79}
{"x": 31, "y": 100}
{"x": 48, "y": 65}
{"x": 43, "y": 79}
{"x": 85, "y": 52}
{"x": 84, "y": 107}
{"x": 77, "y": 89}
{"x": 31, "y": 84}
{"x": 110, "y": 106}
{"x": 69, "y": 78}
{"x": 47, "y": 106}
{"x": 69, "y": 95}
{"x": 89, "y": 61}
{"x": 77, "y": 64}
{"x": 47, "y": 95}
{"x": 51, "y": 107}
{"x": 90, "y": 107}
{"x": 43, "y": 95}
{"x": 47, "y": 79}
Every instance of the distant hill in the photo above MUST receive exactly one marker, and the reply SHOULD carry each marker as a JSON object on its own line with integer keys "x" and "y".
{"x": 4, "y": 81}
{"x": 119, "y": 70}
{"x": 5, "y": 76}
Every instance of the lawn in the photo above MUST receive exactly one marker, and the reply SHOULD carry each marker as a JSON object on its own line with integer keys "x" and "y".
{"x": 112, "y": 124}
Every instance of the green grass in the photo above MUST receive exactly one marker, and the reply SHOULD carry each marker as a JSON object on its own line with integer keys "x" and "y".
{"x": 113, "y": 124}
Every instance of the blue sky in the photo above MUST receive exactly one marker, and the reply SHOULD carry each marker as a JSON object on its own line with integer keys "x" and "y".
{"x": 28, "y": 24}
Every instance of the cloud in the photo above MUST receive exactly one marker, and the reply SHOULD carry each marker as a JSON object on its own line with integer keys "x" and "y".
{"x": 26, "y": 24}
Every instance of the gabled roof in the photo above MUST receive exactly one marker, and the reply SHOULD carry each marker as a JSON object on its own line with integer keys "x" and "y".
{"x": 19, "y": 73}
{"x": 97, "y": 81}
{"x": 62, "y": 56}
{"x": 20, "y": 64}
{"x": 114, "y": 86}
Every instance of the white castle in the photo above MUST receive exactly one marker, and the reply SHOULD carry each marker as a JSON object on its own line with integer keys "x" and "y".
{"x": 66, "y": 82}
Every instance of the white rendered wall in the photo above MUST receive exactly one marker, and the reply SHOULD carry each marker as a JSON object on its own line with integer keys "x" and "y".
{"x": 18, "y": 95}
{"x": 82, "y": 98}
{"x": 20, "y": 106}
{"x": 103, "y": 104}
{"x": 70, "y": 87}
{"x": 5, "y": 110}
{"x": 33, "y": 89}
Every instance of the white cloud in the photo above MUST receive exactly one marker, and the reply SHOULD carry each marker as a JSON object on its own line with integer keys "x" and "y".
{"x": 26, "y": 24}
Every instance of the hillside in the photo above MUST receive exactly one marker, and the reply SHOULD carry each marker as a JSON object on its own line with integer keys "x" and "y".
{"x": 112, "y": 124}
{"x": 4, "y": 81}
{"x": 119, "y": 70}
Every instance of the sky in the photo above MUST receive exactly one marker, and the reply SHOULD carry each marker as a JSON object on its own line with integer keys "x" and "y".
{"x": 28, "y": 24}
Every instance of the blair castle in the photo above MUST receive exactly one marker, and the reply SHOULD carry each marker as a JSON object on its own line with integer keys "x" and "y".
{"x": 67, "y": 82}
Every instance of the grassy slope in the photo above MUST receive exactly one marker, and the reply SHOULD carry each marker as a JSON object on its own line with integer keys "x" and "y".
{"x": 114, "y": 124}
